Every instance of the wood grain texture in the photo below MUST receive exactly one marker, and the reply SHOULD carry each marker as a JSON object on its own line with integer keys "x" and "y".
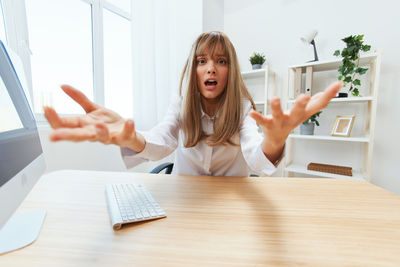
{"x": 215, "y": 221}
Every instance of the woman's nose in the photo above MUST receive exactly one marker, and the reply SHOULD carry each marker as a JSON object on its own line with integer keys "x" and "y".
{"x": 211, "y": 68}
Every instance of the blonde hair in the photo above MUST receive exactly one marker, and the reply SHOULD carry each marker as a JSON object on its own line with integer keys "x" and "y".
{"x": 228, "y": 121}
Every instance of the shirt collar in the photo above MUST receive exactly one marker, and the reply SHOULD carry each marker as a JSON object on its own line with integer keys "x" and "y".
{"x": 203, "y": 114}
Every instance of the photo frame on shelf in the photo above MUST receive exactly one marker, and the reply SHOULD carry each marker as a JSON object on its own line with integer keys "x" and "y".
{"x": 343, "y": 125}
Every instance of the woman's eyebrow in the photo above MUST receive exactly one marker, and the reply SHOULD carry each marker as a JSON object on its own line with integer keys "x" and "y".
{"x": 216, "y": 55}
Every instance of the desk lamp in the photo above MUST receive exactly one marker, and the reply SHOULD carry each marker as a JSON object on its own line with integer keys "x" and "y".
{"x": 309, "y": 39}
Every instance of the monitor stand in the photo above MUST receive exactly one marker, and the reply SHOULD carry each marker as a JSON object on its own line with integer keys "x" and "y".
{"x": 21, "y": 230}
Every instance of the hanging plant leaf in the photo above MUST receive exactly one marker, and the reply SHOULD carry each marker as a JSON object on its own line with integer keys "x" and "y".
{"x": 361, "y": 70}
{"x": 350, "y": 60}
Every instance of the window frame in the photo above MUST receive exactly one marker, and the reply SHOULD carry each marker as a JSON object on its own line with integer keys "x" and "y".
{"x": 18, "y": 40}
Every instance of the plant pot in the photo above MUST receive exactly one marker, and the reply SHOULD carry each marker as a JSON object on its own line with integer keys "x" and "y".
{"x": 256, "y": 66}
{"x": 307, "y": 128}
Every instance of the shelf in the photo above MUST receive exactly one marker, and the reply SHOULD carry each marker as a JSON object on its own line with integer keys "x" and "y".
{"x": 303, "y": 170}
{"x": 352, "y": 99}
{"x": 344, "y": 99}
{"x": 331, "y": 138}
{"x": 260, "y": 102}
{"x": 253, "y": 73}
{"x": 334, "y": 64}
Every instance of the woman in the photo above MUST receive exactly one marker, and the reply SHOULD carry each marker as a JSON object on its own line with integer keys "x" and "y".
{"x": 212, "y": 125}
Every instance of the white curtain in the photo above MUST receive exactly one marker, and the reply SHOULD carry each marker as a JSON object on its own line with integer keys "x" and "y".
{"x": 163, "y": 32}
{"x": 154, "y": 65}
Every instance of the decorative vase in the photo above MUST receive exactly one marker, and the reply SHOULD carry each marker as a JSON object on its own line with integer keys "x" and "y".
{"x": 256, "y": 66}
{"x": 307, "y": 128}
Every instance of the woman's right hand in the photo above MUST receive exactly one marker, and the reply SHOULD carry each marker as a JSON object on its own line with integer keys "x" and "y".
{"x": 98, "y": 124}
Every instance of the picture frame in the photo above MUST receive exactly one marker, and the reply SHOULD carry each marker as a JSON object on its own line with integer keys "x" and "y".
{"x": 343, "y": 125}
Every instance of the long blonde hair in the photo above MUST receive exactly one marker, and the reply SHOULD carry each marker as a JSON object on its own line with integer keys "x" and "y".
{"x": 228, "y": 121}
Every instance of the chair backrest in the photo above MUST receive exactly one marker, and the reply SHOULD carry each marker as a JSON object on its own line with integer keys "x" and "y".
{"x": 168, "y": 166}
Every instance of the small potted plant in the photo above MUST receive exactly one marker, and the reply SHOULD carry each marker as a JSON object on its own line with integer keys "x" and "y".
{"x": 307, "y": 127}
{"x": 257, "y": 60}
{"x": 350, "y": 69}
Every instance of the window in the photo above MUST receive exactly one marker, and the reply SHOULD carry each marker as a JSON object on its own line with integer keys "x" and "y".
{"x": 85, "y": 43}
{"x": 60, "y": 34}
{"x": 2, "y": 27}
{"x": 124, "y": 5}
{"x": 117, "y": 64}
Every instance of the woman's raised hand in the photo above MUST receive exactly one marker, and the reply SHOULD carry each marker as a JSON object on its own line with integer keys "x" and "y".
{"x": 278, "y": 125}
{"x": 98, "y": 124}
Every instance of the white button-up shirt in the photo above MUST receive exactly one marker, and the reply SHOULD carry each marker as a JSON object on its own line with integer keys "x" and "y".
{"x": 202, "y": 159}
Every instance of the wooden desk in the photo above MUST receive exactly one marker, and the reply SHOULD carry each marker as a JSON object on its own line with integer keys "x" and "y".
{"x": 215, "y": 221}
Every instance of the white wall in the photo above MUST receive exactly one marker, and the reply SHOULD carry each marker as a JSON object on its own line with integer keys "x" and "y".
{"x": 87, "y": 156}
{"x": 213, "y": 15}
{"x": 275, "y": 27}
{"x": 80, "y": 156}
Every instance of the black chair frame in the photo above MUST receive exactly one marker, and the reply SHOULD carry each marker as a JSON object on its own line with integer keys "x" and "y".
{"x": 168, "y": 166}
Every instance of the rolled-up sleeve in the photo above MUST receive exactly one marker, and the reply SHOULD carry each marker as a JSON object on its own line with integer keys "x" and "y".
{"x": 251, "y": 145}
{"x": 161, "y": 140}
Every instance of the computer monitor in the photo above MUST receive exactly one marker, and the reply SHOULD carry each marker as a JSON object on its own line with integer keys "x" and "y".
{"x": 21, "y": 160}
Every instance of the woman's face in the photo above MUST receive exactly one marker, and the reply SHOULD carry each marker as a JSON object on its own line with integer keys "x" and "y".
{"x": 212, "y": 74}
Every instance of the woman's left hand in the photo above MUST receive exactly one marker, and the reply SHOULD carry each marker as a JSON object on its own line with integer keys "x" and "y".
{"x": 278, "y": 125}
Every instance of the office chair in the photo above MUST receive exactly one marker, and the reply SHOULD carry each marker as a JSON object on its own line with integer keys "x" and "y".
{"x": 168, "y": 166}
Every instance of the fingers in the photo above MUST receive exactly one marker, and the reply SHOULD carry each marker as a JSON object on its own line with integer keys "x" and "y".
{"x": 321, "y": 100}
{"x": 276, "y": 110}
{"x": 52, "y": 117}
{"x": 58, "y": 122}
{"x": 126, "y": 133}
{"x": 333, "y": 89}
{"x": 80, "y": 98}
{"x": 99, "y": 133}
{"x": 76, "y": 134}
{"x": 103, "y": 134}
{"x": 298, "y": 112}
{"x": 129, "y": 128}
{"x": 259, "y": 118}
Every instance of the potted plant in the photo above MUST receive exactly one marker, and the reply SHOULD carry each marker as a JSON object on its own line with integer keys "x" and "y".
{"x": 350, "y": 69}
{"x": 307, "y": 127}
{"x": 257, "y": 60}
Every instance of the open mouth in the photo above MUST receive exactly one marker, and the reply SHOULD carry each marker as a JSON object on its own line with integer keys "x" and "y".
{"x": 210, "y": 82}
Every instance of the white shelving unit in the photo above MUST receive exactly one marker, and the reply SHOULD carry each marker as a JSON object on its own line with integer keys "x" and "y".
{"x": 261, "y": 76}
{"x": 345, "y": 99}
{"x": 255, "y": 73}
{"x": 297, "y": 168}
{"x": 366, "y": 140}
{"x": 331, "y": 138}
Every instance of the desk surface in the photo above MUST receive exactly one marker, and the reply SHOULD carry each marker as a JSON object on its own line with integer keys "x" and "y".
{"x": 215, "y": 221}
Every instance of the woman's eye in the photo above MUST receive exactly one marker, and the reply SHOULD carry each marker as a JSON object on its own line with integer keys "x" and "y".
{"x": 201, "y": 61}
{"x": 222, "y": 61}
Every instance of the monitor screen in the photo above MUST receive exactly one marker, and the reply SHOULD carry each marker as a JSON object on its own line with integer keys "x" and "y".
{"x": 21, "y": 159}
{"x": 19, "y": 138}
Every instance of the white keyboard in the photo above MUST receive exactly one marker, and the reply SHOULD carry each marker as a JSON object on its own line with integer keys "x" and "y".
{"x": 129, "y": 203}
